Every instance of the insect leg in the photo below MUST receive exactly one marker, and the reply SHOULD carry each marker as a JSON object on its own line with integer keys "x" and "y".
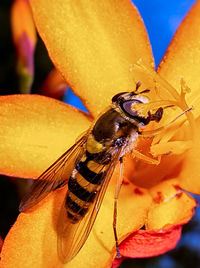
{"x": 119, "y": 183}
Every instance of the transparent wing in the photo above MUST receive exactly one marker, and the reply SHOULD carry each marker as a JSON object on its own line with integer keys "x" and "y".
{"x": 54, "y": 177}
{"x": 72, "y": 236}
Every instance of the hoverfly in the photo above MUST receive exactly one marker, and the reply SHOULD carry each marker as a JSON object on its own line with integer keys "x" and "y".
{"x": 87, "y": 168}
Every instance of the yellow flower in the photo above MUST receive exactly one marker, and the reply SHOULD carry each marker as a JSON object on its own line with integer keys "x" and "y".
{"x": 96, "y": 46}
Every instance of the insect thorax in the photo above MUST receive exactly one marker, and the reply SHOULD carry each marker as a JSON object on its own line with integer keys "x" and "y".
{"x": 111, "y": 126}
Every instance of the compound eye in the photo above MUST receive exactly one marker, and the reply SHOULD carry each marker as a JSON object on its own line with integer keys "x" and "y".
{"x": 127, "y": 107}
{"x": 116, "y": 97}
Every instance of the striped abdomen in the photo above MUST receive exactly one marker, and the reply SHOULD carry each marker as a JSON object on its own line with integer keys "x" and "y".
{"x": 84, "y": 183}
{"x": 110, "y": 131}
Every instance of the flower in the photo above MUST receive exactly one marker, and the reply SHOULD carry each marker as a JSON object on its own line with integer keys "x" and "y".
{"x": 94, "y": 44}
{"x": 24, "y": 38}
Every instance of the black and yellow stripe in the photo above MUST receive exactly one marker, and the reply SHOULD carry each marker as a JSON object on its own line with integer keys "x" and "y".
{"x": 84, "y": 183}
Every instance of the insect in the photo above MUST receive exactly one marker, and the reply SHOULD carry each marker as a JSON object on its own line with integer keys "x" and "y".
{"x": 87, "y": 168}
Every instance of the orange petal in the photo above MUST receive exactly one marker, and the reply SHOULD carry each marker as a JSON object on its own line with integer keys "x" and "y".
{"x": 34, "y": 231}
{"x": 189, "y": 178}
{"x": 147, "y": 175}
{"x": 34, "y": 132}
{"x": 182, "y": 58}
{"x": 93, "y": 44}
{"x": 170, "y": 206}
{"x": 149, "y": 243}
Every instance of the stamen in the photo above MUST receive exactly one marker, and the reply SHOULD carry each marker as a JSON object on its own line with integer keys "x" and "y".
{"x": 165, "y": 96}
{"x": 156, "y": 78}
{"x": 155, "y": 131}
{"x": 169, "y": 133}
{"x": 161, "y": 84}
{"x": 173, "y": 195}
{"x": 177, "y": 147}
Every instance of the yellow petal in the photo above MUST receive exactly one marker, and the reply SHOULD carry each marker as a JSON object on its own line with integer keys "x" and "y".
{"x": 93, "y": 44}
{"x": 189, "y": 178}
{"x": 182, "y": 58}
{"x": 147, "y": 175}
{"x": 170, "y": 206}
{"x": 35, "y": 232}
{"x": 34, "y": 132}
